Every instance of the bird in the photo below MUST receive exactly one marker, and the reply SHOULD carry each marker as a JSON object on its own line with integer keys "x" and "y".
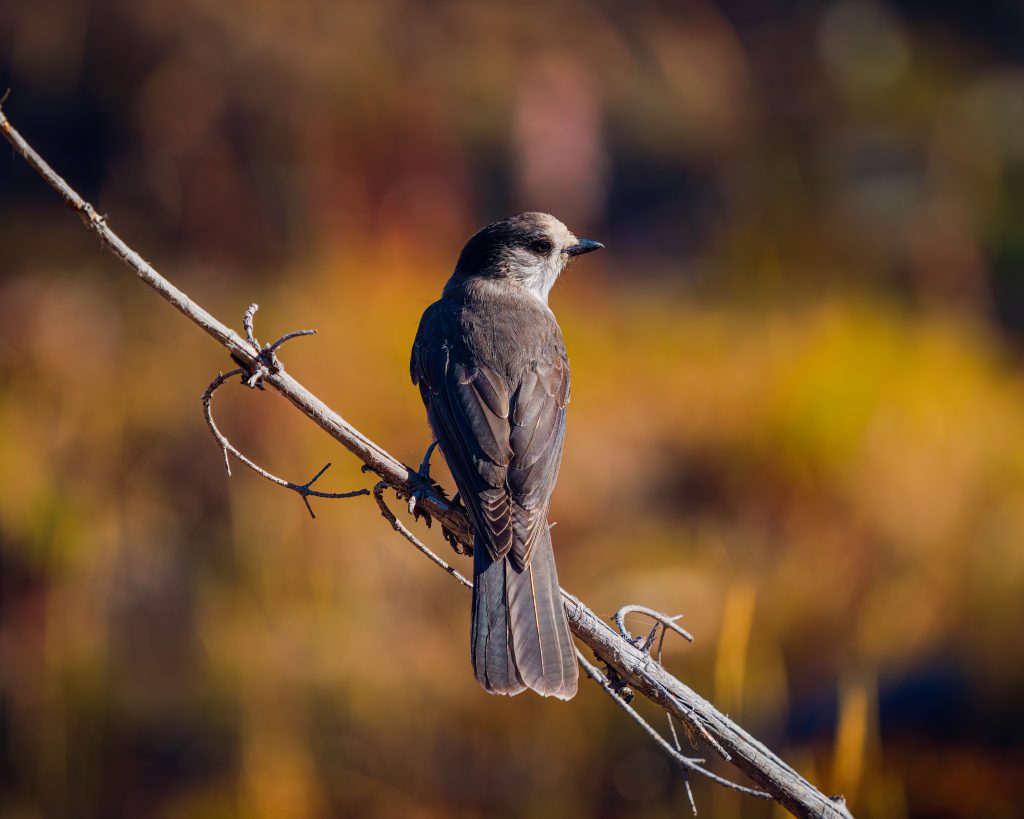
{"x": 491, "y": 367}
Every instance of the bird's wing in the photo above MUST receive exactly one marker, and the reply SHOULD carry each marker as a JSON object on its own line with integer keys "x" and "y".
{"x": 503, "y": 447}
{"x": 538, "y": 429}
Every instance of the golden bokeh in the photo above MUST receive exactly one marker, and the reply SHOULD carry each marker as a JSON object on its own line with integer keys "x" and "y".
{"x": 796, "y": 414}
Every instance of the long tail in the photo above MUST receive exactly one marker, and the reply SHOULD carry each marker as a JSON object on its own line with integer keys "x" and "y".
{"x": 520, "y": 635}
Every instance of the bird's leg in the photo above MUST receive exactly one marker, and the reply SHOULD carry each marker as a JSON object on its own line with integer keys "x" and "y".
{"x": 425, "y": 463}
{"x": 423, "y": 485}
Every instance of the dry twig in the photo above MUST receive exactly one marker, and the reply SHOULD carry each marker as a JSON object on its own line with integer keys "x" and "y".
{"x": 304, "y": 490}
{"x": 662, "y": 619}
{"x": 398, "y": 526}
{"x": 629, "y": 662}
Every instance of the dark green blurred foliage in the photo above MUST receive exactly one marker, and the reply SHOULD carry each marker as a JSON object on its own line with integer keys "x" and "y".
{"x": 796, "y": 406}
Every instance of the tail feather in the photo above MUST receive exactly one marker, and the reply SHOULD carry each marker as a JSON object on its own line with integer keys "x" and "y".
{"x": 491, "y": 649}
{"x": 542, "y": 646}
{"x": 520, "y": 637}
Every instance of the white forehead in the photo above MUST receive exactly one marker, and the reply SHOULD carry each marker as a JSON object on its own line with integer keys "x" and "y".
{"x": 559, "y": 233}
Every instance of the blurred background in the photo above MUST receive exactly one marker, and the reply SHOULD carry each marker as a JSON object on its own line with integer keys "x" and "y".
{"x": 796, "y": 418}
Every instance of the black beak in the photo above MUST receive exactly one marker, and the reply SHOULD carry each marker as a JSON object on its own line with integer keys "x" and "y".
{"x": 583, "y": 246}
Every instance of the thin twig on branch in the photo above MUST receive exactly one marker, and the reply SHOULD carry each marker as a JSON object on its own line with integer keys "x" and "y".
{"x": 662, "y": 619}
{"x": 686, "y": 762}
{"x": 628, "y": 661}
{"x": 304, "y": 490}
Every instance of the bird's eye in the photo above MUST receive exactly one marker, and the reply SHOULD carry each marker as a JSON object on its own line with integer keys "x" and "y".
{"x": 541, "y": 246}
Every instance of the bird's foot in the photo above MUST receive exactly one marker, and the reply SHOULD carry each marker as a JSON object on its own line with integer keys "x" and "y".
{"x": 422, "y": 486}
{"x": 460, "y": 547}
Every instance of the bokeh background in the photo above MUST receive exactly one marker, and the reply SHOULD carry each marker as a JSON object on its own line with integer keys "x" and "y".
{"x": 798, "y": 399}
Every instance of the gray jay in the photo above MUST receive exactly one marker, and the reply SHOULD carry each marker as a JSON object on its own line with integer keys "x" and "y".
{"x": 492, "y": 371}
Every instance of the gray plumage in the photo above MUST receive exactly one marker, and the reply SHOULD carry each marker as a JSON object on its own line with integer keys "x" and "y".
{"x": 493, "y": 374}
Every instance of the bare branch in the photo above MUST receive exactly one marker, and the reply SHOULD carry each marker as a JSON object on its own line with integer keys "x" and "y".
{"x": 631, "y": 663}
{"x": 304, "y": 490}
{"x": 672, "y": 730}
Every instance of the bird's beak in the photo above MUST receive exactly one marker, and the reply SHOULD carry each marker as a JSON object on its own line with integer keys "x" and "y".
{"x": 583, "y": 246}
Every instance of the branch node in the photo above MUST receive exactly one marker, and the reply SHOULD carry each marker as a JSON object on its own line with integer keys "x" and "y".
{"x": 266, "y": 362}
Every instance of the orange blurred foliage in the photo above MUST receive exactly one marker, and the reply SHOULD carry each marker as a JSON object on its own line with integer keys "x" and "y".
{"x": 796, "y": 409}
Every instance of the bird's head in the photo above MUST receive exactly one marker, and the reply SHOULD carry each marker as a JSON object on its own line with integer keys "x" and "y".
{"x": 529, "y": 250}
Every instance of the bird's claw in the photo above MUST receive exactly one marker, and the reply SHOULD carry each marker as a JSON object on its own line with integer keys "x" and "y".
{"x": 458, "y": 546}
{"x": 421, "y": 491}
{"x": 619, "y": 684}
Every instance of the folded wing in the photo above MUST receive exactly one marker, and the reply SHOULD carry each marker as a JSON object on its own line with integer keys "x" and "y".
{"x": 502, "y": 442}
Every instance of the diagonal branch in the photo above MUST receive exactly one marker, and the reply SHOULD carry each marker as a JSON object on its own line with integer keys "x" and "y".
{"x": 630, "y": 662}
